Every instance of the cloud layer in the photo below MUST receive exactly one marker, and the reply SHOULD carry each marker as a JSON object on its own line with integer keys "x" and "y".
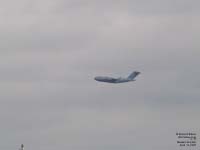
{"x": 51, "y": 51}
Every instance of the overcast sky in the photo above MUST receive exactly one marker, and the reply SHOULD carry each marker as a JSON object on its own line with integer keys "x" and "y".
{"x": 50, "y": 51}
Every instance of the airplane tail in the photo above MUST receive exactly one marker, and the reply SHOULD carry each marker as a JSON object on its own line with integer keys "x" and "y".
{"x": 133, "y": 75}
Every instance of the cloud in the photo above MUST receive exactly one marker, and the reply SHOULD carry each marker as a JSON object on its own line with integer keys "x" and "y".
{"x": 51, "y": 51}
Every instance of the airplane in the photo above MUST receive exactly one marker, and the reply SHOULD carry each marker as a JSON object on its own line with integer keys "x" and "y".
{"x": 131, "y": 77}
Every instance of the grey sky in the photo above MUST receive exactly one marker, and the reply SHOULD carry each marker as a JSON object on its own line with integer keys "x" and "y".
{"x": 51, "y": 51}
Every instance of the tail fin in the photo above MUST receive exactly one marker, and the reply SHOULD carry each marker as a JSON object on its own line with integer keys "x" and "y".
{"x": 133, "y": 75}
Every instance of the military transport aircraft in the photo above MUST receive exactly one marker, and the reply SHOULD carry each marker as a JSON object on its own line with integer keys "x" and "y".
{"x": 131, "y": 77}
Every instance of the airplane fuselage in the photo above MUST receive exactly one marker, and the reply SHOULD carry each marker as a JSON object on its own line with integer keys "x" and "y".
{"x": 112, "y": 80}
{"x": 131, "y": 77}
